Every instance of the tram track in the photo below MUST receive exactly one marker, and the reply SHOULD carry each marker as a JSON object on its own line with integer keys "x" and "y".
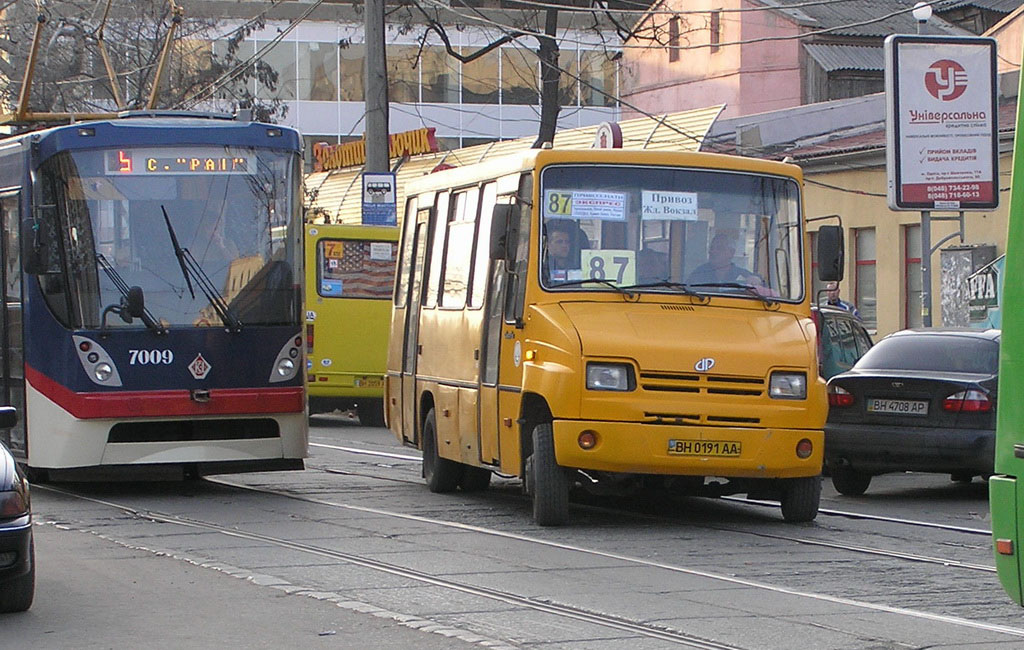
{"x": 852, "y": 548}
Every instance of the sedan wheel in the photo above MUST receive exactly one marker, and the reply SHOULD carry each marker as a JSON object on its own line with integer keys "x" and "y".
{"x": 849, "y": 481}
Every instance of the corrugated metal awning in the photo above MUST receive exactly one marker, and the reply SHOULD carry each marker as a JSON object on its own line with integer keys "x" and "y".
{"x": 846, "y": 57}
{"x": 336, "y": 196}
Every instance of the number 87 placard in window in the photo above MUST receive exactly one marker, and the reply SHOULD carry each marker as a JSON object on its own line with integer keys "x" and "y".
{"x": 618, "y": 266}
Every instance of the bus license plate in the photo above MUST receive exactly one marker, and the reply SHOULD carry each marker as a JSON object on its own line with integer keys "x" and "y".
{"x": 898, "y": 406}
{"x": 369, "y": 382}
{"x": 727, "y": 448}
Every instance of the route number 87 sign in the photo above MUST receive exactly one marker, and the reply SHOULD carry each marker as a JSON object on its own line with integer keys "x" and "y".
{"x": 618, "y": 266}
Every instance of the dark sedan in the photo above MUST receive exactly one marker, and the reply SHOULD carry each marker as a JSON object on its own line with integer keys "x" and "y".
{"x": 920, "y": 400}
{"x": 17, "y": 552}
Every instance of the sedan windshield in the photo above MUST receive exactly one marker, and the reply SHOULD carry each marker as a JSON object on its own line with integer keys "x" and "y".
{"x": 933, "y": 352}
{"x": 135, "y": 216}
{"x": 671, "y": 230}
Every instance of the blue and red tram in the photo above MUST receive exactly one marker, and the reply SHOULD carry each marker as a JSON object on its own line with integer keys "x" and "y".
{"x": 152, "y": 295}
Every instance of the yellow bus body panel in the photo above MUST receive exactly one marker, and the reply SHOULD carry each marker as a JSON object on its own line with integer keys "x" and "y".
{"x": 350, "y": 334}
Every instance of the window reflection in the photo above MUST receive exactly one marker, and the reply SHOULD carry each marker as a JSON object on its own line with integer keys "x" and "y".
{"x": 281, "y": 59}
{"x": 567, "y": 82}
{"x": 597, "y": 72}
{"x": 440, "y": 76}
{"x": 403, "y": 75}
{"x": 318, "y": 72}
{"x": 480, "y": 78}
{"x": 520, "y": 83}
{"x": 352, "y": 75}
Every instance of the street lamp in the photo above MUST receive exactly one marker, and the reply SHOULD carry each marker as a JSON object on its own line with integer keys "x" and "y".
{"x": 922, "y": 12}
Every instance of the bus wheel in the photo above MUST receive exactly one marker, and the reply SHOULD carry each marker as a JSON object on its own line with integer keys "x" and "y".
{"x": 849, "y": 481}
{"x": 549, "y": 483}
{"x": 800, "y": 499}
{"x": 441, "y": 474}
{"x": 475, "y": 479}
{"x": 371, "y": 412}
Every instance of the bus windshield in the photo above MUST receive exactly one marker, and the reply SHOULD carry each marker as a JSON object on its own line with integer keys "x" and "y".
{"x": 233, "y": 209}
{"x": 666, "y": 229}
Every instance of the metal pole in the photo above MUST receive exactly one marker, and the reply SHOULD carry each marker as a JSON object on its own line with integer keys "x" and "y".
{"x": 926, "y": 268}
{"x": 376, "y": 90}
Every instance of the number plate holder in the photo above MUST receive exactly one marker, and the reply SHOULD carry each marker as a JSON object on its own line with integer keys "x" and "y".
{"x": 719, "y": 448}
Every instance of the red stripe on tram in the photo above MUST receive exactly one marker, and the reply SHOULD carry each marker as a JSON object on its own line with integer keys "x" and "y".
{"x": 167, "y": 403}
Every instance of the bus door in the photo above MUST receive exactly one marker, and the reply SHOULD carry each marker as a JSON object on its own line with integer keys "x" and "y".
{"x": 411, "y": 349}
{"x": 12, "y": 359}
{"x": 503, "y": 358}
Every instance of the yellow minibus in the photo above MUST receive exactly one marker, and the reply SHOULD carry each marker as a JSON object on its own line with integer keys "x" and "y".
{"x": 612, "y": 320}
{"x": 349, "y": 275}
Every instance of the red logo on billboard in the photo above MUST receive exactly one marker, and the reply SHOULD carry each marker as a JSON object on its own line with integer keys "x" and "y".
{"x": 945, "y": 80}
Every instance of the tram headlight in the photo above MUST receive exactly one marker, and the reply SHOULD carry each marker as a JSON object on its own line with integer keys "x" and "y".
{"x": 788, "y": 385}
{"x": 610, "y": 376}
{"x": 102, "y": 371}
{"x": 286, "y": 367}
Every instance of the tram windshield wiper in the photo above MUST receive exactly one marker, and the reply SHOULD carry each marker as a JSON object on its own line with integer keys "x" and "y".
{"x": 749, "y": 289}
{"x": 122, "y": 286}
{"x": 190, "y": 268}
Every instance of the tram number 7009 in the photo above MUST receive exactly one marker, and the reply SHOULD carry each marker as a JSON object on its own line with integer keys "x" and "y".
{"x": 150, "y": 357}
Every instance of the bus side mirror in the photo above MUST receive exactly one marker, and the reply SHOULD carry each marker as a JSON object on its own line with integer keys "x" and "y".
{"x": 8, "y": 417}
{"x": 831, "y": 263}
{"x": 499, "y": 231}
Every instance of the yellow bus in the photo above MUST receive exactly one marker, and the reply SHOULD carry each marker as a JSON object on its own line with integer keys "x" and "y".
{"x": 612, "y": 320}
{"x": 349, "y": 275}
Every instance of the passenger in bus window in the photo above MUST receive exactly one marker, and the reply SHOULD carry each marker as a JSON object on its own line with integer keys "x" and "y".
{"x": 720, "y": 267}
{"x": 561, "y": 255}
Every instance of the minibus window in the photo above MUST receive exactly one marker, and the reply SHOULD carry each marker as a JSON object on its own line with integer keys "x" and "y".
{"x": 660, "y": 228}
{"x": 519, "y": 231}
{"x": 402, "y": 286}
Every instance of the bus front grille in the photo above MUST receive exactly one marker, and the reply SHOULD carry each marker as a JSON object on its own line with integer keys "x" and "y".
{"x": 194, "y": 430}
{"x": 703, "y": 384}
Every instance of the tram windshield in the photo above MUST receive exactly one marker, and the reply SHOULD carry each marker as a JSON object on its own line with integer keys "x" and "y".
{"x": 676, "y": 230}
{"x": 233, "y": 211}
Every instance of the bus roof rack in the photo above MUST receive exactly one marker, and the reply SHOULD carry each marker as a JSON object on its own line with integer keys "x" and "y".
{"x": 164, "y": 112}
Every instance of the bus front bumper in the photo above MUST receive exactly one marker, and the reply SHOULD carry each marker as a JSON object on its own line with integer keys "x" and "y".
{"x": 735, "y": 452}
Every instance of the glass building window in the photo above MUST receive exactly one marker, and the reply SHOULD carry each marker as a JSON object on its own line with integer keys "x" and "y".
{"x": 597, "y": 72}
{"x": 439, "y": 76}
{"x": 568, "y": 84}
{"x": 912, "y": 280}
{"x": 221, "y": 54}
{"x": 403, "y": 74}
{"x": 864, "y": 279}
{"x": 318, "y": 72}
{"x": 520, "y": 83}
{"x": 281, "y": 59}
{"x": 352, "y": 73}
{"x": 480, "y": 78}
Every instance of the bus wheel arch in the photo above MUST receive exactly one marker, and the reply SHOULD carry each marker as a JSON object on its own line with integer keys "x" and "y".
{"x": 533, "y": 411}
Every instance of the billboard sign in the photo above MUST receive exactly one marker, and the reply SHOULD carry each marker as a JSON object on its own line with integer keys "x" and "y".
{"x": 941, "y": 126}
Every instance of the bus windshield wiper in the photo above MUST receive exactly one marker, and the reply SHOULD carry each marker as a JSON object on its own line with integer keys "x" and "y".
{"x": 749, "y": 289}
{"x": 607, "y": 283}
{"x": 683, "y": 288}
{"x": 190, "y": 268}
{"x": 119, "y": 283}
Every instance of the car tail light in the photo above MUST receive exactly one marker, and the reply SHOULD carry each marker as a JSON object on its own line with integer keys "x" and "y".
{"x": 839, "y": 396}
{"x": 967, "y": 401}
{"x": 309, "y": 338}
{"x": 12, "y": 504}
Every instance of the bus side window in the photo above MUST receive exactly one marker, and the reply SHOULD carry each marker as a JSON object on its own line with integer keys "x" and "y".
{"x": 519, "y": 232}
{"x": 437, "y": 251}
{"x": 408, "y": 226}
{"x": 482, "y": 252}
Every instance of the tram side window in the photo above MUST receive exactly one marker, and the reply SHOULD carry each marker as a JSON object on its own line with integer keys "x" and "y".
{"x": 458, "y": 247}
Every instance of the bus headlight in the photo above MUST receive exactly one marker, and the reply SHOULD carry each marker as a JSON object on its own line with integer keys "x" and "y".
{"x": 788, "y": 385}
{"x": 286, "y": 367}
{"x": 610, "y": 376}
{"x": 102, "y": 371}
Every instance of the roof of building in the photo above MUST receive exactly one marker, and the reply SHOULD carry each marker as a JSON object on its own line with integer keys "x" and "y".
{"x": 999, "y": 6}
{"x": 336, "y": 196}
{"x": 846, "y": 57}
{"x": 863, "y": 18}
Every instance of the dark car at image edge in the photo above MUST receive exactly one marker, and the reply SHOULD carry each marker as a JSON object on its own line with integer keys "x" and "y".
{"x": 17, "y": 550}
{"x": 920, "y": 400}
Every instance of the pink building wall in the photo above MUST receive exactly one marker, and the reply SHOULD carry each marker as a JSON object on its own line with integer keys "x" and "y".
{"x": 750, "y": 78}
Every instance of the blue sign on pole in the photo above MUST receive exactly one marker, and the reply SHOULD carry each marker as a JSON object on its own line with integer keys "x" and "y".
{"x": 379, "y": 199}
